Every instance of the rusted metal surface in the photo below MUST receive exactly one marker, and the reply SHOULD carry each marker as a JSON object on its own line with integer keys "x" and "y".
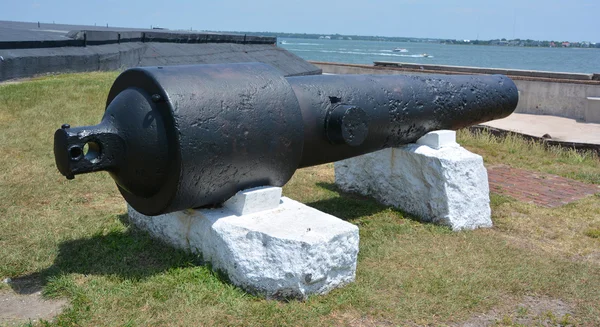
{"x": 182, "y": 137}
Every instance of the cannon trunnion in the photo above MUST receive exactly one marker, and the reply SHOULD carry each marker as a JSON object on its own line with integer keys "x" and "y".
{"x": 182, "y": 137}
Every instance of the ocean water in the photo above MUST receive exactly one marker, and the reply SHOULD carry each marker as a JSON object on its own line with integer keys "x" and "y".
{"x": 578, "y": 60}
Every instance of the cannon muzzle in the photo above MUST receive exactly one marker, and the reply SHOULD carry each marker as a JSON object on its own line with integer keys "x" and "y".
{"x": 182, "y": 137}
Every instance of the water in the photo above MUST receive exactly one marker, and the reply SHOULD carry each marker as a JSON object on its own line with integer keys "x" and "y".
{"x": 578, "y": 60}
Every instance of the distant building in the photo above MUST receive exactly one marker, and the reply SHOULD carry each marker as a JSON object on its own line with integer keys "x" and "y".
{"x": 566, "y": 44}
{"x": 499, "y": 42}
{"x": 516, "y": 43}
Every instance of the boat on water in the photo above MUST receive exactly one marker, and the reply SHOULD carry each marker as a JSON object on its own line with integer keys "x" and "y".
{"x": 424, "y": 55}
{"x": 400, "y": 50}
{"x": 282, "y": 42}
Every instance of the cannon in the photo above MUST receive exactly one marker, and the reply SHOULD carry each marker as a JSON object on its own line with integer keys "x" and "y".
{"x": 181, "y": 137}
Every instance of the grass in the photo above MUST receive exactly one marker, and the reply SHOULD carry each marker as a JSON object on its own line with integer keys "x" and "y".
{"x": 593, "y": 232}
{"x": 74, "y": 237}
{"x": 514, "y": 151}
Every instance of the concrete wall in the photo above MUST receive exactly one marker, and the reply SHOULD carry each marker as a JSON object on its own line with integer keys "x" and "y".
{"x": 27, "y": 51}
{"x": 484, "y": 70}
{"x": 541, "y": 96}
{"x": 557, "y": 99}
{"x": 20, "y": 63}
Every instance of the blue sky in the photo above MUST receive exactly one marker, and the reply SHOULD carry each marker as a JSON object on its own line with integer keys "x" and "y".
{"x": 572, "y": 20}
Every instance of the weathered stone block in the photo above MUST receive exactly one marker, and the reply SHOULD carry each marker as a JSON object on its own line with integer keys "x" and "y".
{"x": 438, "y": 139}
{"x": 447, "y": 186}
{"x": 290, "y": 251}
{"x": 254, "y": 200}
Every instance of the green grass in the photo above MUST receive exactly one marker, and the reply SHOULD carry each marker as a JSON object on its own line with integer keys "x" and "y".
{"x": 593, "y": 232}
{"x": 74, "y": 237}
{"x": 517, "y": 152}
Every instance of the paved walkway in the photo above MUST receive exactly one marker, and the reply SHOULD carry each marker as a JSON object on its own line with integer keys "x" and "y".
{"x": 559, "y": 128}
{"x": 542, "y": 189}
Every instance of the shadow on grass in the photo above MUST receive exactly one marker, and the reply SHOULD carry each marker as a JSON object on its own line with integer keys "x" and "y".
{"x": 28, "y": 284}
{"x": 133, "y": 255}
{"x": 129, "y": 254}
{"x": 347, "y": 206}
{"x": 351, "y": 206}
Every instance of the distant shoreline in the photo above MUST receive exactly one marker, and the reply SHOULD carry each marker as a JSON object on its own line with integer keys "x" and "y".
{"x": 495, "y": 42}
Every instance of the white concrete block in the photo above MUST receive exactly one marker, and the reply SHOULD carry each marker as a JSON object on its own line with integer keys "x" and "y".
{"x": 254, "y": 200}
{"x": 447, "y": 186}
{"x": 439, "y": 139}
{"x": 291, "y": 251}
{"x": 592, "y": 110}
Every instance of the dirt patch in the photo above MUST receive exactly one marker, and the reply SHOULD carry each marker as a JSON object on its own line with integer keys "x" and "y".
{"x": 24, "y": 303}
{"x": 530, "y": 311}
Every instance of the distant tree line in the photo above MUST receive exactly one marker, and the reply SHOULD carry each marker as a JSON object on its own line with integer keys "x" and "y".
{"x": 498, "y": 42}
{"x": 525, "y": 43}
{"x": 333, "y": 36}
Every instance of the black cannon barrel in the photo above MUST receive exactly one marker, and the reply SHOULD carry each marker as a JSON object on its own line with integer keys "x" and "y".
{"x": 182, "y": 137}
{"x": 398, "y": 109}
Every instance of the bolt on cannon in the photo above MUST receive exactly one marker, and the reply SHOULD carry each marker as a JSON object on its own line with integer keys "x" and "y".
{"x": 182, "y": 137}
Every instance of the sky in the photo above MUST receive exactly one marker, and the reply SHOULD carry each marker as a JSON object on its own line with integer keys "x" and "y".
{"x": 561, "y": 20}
